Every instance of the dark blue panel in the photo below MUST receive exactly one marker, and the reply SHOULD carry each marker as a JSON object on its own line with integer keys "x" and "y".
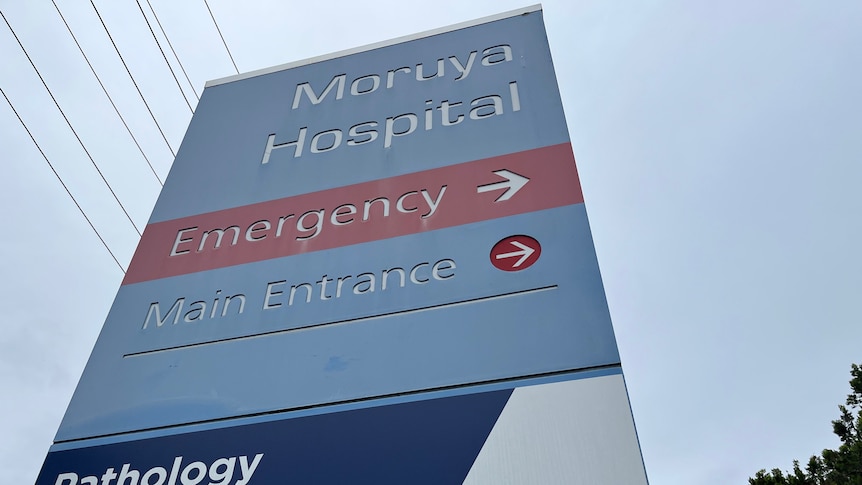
{"x": 430, "y": 441}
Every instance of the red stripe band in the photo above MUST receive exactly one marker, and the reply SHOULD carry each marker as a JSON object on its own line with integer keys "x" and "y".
{"x": 370, "y": 211}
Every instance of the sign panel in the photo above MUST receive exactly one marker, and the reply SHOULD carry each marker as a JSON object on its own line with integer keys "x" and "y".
{"x": 368, "y": 229}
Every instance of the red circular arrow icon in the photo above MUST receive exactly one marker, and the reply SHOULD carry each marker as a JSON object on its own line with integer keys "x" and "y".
{"x": 515, "y": 253}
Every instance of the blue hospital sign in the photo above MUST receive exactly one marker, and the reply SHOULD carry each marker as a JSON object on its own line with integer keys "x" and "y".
{"x": 369, "y": 267}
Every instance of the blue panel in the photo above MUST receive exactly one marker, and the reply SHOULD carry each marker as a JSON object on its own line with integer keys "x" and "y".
{"x": 219, "y": 162}
{"x": 565, "y": 327}
{"x": 422, "y": 442}
{"x": 474, "y": 324}
{"x": 377, "y": 384}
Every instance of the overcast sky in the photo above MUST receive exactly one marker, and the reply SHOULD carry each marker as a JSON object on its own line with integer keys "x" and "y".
{"x": 720, "y": 151}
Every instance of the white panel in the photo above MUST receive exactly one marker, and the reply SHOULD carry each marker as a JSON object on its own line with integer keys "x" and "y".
{"x": 572, "y": 432}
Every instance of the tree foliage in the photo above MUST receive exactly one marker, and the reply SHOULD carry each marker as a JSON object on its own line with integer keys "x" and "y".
{"x": 833, "y": 467}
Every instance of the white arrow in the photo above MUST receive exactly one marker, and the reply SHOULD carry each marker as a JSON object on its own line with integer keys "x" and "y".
{"x": 513, "y": 184}
{"x": 524, "y": 253}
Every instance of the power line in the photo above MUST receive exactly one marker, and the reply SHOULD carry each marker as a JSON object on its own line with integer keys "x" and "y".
{"x": 70, "y": 125}
{"x": 182, "y": 68}
{"x": 61, "y": 182}
{"x": 173, "y": 153}
{"x": 159, "y": 45}
{"x": 93, "y": 70}
{"x": 219, "y": 34}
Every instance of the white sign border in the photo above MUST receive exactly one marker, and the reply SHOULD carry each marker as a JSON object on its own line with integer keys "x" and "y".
{"x": 376, "y": 45}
